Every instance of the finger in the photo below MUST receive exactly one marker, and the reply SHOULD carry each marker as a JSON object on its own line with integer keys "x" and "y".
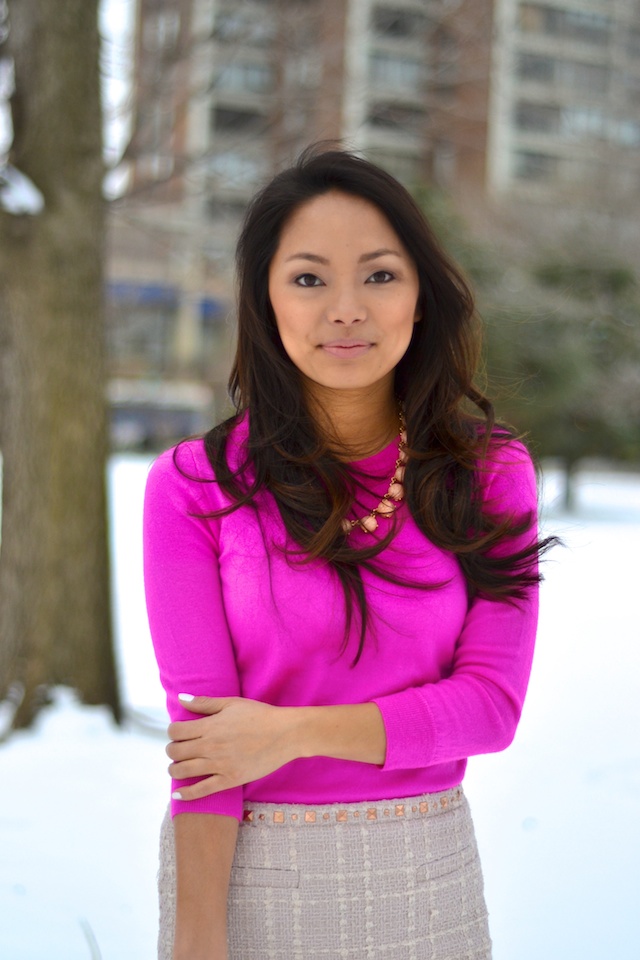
{"x": 190, "y": 768}
{"x": 178, "y": 750}
{"x": 203, "y": 705}
{"x": 185, "y": 730}
{"x": 204, "y": 788}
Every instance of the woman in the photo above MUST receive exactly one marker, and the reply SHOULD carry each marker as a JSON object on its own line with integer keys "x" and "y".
{"x": 341, "y": 584}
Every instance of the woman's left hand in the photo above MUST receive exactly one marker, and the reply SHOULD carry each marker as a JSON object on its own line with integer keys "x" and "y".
{"x": 234, "y": 741}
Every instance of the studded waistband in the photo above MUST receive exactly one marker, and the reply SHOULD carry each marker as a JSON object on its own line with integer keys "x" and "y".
{"x": 293, "y": 814}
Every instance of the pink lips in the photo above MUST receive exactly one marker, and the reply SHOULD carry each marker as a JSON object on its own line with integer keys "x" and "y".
{"x": 347, "y": 349}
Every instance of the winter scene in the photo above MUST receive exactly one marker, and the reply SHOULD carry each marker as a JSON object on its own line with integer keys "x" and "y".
{"x": 134, "y": 138}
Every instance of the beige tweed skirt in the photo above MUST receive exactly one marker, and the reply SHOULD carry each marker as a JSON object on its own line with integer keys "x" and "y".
{"x": 387, "y": 880}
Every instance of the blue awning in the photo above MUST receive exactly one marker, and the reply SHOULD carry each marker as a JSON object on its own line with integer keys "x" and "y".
{"x": 129, "y": 291}
{"x": 160, "y": 294}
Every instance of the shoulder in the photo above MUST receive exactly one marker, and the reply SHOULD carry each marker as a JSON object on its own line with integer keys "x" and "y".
{"x": 184, "y": 475}
{"x": 507, "y": 475}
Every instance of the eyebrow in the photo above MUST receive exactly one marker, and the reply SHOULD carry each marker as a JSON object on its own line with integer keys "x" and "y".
{"x": 365, "y": 258}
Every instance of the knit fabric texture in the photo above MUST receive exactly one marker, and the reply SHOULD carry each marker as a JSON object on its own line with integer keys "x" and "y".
{"x": 389, "y": 888}
{"x": 234, "y": 612}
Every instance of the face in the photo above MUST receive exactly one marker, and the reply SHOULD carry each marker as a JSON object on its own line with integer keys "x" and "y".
{"x": 344, "y": 292}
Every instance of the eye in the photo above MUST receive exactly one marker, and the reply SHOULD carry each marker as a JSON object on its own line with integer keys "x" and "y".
{"x": 380, "y": 276}
{"x": 308, "y": 280}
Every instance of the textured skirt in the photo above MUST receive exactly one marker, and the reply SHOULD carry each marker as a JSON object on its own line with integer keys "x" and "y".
{"x": 387, "y": 880}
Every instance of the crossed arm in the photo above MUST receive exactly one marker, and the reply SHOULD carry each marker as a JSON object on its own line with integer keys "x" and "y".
{"x": 237, "y": 740}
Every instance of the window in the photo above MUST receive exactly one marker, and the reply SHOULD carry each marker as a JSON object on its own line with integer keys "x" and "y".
{"x": 580, "y": 25}
{"x": 237, "y": 170}
{"x": 404, "y": 168}
{"x": 583, "y": 123}
{"x": 534, "y": 166}
{"x": 401, "y": 74}
{"x": 633, "y": 43}
{"x": 397, "y": 23}
{"x": 537, "y": 117}
{"x": 588, "y": 77}
{"x": 242, "y": 26}
{"x": 627, "y": 133}
{"x": 631, "y": 83}
{"x": 246, "y": 78}
{"x": 540, "y": 69}
{"x": 392, "y": 117}
{"x": 230, "y": 120}
{"x": 225, "y": 209}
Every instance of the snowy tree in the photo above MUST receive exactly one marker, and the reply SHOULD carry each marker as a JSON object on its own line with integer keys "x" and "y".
{"x": 55, "y": 623}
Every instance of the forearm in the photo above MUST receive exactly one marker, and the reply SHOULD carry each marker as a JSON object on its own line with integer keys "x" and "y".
{"x": 344, "y": 732}
{"x": 205, "y": 845}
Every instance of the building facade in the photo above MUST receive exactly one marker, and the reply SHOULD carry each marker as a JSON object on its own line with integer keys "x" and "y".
{"x": 498, "y": 101}
{"x": 565, "y": 101}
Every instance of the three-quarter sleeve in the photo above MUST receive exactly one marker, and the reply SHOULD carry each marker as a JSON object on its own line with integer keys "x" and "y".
{"x": 184, "y": 600}
{"x": 476, "y": 708}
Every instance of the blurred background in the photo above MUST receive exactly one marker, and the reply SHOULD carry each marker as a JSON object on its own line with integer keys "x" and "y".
{"x": 132, "y": 135}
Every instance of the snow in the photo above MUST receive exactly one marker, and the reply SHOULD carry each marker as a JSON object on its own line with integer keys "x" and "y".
{"x": 556, "y": 814}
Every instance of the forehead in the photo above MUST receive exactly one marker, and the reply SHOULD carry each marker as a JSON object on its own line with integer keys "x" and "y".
{"x": 334, "y": 215}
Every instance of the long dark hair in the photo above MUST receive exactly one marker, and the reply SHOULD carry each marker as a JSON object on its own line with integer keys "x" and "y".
{"x": 449, "y": 422}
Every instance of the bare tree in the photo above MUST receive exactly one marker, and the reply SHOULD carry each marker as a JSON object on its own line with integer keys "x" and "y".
{"x": 55, "y": 623}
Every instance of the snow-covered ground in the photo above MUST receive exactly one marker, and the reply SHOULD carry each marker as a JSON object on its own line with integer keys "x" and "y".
{"x": 556, "y": 815}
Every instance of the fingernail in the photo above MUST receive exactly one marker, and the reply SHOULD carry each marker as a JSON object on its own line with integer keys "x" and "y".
{"x": 186, "y": 696}
{"x": 176, "y": 795}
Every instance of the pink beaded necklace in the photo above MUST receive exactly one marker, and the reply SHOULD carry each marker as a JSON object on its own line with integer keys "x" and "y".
{"x": 389, "y": 503}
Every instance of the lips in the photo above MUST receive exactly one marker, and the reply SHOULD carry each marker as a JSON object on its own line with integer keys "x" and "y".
{"x": 347, "y": 349}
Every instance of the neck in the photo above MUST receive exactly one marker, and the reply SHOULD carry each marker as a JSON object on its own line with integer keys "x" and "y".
{"x": 357, "y": 422}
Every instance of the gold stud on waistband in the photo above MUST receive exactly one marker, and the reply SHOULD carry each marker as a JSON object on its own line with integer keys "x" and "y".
{"x": 343, "y": 815}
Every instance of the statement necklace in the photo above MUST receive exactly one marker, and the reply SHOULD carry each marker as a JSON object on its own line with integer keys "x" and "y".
{"x": 389, "y": 503}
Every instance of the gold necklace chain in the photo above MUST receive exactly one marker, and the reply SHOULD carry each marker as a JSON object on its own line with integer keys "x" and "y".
{"x": 394, "y": 495}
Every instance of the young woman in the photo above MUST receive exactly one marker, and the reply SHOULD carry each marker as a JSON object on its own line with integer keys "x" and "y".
{"x": 342, "y": 589}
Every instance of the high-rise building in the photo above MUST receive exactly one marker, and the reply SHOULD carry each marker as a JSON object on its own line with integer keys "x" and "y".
{"x": 565, "y": 100}
{"x": 495, "y": 100}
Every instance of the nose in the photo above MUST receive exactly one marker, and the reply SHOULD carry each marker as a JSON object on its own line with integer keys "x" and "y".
{"x": 346, "y": 307}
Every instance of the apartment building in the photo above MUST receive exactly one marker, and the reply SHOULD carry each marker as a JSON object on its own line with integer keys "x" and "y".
{"x": 565, "y": 101}
{"x": 496, "y": 100}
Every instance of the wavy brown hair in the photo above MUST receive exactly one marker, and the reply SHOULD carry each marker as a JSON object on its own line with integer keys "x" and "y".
{"x": 449, "y": 422}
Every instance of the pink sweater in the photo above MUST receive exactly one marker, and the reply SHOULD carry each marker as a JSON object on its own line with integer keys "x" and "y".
{"x": 230, "y": 616}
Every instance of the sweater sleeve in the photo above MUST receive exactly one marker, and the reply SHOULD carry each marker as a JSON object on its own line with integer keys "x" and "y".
{"x": 476, "y": 708}
{"x": 184, "y": 601}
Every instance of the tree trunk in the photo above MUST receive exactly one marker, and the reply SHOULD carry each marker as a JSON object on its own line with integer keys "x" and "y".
{"x": 570, "y": 472}
{"x": 55, "y": 618}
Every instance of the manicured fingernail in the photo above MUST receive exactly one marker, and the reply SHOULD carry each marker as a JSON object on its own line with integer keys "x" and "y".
{"x": 176, "y": 795}
{"x": 186, "y": 696}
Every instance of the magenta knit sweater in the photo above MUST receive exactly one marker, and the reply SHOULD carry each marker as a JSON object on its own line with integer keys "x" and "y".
{"x": 230, "y": 615}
